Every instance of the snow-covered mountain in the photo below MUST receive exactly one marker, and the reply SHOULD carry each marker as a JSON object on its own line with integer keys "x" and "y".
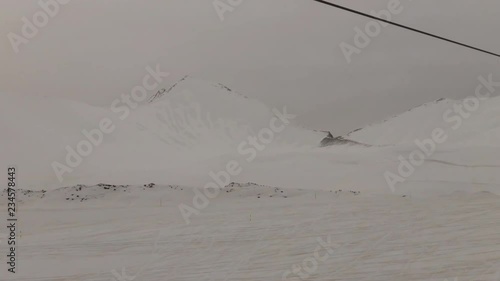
{"x": 195, "y": 112}
{"x": 180, "y": 132}
{"x": 189, "y": 133}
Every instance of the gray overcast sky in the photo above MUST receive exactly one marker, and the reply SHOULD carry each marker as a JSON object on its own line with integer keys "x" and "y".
{"x": 282, "y": 52}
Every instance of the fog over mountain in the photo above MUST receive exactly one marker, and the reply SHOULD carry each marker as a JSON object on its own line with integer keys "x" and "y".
{"x": 284, "y": 52}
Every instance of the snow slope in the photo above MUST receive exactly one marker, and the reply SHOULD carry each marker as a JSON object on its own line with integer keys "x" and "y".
{"x": 479, "y": 126}
{"x": 201, "y": 113}
{"x": 138, "y": 231}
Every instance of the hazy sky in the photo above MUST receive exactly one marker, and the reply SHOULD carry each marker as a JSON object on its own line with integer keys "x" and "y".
{"x": 282, "y": 52}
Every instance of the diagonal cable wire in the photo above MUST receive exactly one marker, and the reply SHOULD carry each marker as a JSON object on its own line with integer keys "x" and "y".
{"x": 405, "y": 27}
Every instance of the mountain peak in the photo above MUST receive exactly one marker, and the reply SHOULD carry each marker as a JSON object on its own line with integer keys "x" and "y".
{"x": 189, "y": 83}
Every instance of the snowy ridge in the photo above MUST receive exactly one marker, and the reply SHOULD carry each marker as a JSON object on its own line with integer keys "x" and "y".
{"x": 164, "y": 91}
{"x": 144, "y": 194}
{"x": 419, "y": 123}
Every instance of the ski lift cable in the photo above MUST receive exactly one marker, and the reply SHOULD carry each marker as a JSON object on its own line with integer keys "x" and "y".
{"x": 405, "y": 27}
